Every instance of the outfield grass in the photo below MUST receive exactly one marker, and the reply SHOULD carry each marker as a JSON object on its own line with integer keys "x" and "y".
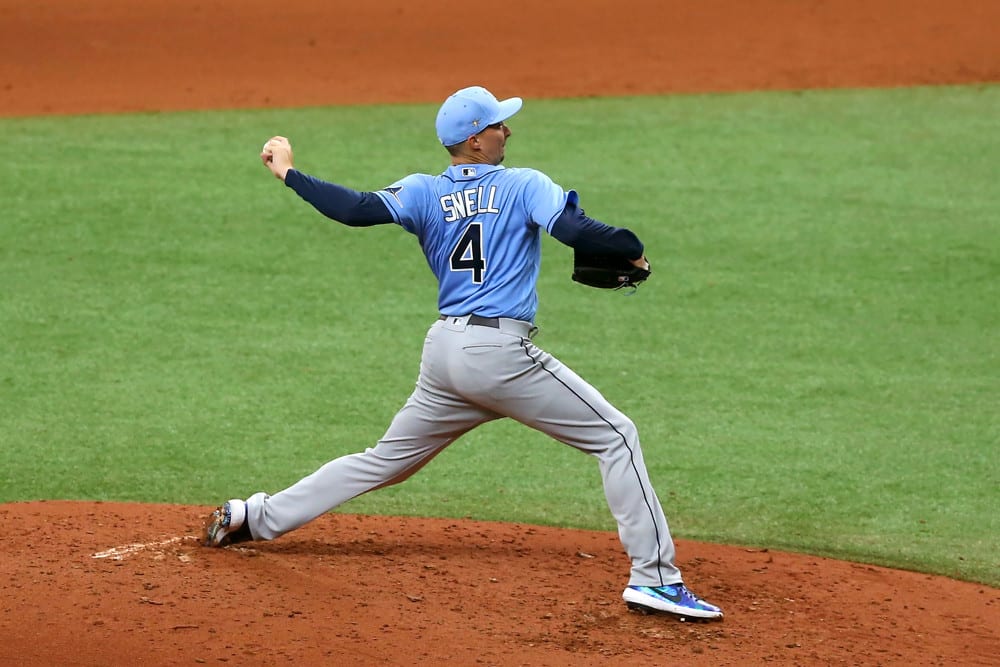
{"x": 814, "y": 365}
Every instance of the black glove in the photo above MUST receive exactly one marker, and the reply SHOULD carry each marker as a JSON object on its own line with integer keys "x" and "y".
{"x": 606, "y": 271}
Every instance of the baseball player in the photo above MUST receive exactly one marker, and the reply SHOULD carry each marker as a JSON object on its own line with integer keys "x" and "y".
{"x": 479, "y": 225}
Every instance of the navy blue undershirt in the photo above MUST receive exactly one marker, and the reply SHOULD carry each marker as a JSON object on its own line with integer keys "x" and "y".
{"x": 365, "y": 209}
{"x": 350, "y": 207}
{"x": 587, "y": 235}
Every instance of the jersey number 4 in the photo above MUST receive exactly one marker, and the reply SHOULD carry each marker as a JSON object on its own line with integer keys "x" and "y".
{"x": 468, "y": 252}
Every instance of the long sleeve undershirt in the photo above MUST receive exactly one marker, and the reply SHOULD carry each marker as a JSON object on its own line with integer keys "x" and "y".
{"x": 365, "y": 209}
{"x": 585, "y": 234}
{"x": 347, "y": 206}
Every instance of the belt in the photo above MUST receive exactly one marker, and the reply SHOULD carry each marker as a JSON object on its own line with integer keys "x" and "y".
{"x": 504, "y": 324}
{"x": 493, "y": 322}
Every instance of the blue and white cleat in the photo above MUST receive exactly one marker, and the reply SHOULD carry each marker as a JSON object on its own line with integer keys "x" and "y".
{"x": 227, "y": 525}
{"x": 674, "y": 599}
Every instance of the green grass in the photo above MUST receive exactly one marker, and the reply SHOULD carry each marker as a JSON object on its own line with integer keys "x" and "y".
{"x": 815, "y": 365}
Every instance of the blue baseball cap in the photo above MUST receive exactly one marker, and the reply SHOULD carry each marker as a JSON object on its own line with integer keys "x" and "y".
{"x": 469, "y": 111}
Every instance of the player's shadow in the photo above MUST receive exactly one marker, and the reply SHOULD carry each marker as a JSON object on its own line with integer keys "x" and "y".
{"x": 458, "y": 542}
{"x": 408, "y": 548}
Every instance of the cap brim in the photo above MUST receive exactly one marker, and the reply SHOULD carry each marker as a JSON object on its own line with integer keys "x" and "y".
{"x": 507, "y": 109}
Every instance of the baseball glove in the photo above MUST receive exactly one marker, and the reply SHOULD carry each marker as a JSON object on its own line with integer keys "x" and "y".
{"x": 606, "y": 271}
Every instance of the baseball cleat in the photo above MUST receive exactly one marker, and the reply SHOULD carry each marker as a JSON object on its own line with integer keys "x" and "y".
{"x": 227, "y": 525}
{"x": 674, "y": 599}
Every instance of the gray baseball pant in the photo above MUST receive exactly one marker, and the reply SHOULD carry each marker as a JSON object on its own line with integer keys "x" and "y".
{"x": 469, "y": 375}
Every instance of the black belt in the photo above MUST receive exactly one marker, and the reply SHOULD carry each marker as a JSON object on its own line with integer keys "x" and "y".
{"x": 493, "y": 322}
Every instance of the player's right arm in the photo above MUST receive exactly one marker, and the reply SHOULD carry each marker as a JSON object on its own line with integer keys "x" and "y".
{"x": 580, "y": 232}
{"x": 559, "y": 213}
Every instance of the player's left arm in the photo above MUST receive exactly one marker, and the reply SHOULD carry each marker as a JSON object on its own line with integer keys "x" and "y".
{"x": 340, "y": 203}
{"x": 350, "y": 207}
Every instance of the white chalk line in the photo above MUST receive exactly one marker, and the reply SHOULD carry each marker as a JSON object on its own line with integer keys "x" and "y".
{"x": 120, "y": 552}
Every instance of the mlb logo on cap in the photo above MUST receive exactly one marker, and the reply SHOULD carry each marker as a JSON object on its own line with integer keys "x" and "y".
{"x": 469, "y": 111}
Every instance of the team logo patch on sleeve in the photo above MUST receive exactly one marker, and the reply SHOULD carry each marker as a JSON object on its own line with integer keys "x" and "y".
{"x": 394, "y": 191}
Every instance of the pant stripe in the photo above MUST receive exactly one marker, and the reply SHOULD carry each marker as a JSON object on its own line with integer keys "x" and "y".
{"x": 652, "y": 515}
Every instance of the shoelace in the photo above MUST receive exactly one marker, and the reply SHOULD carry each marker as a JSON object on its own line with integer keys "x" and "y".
{"x": 695, "y": 598}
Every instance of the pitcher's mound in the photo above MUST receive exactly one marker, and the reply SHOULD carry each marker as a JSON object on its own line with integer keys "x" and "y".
{"x": 102, "y": 584}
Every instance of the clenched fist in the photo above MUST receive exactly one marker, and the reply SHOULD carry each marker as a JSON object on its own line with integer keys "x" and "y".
{"x": 276, "y": 154}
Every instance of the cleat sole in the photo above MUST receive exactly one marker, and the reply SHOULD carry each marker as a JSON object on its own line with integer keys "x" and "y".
{"x": 683, "y": 618}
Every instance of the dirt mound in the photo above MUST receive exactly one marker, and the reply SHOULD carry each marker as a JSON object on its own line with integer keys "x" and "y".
{"x": 98, "y": 584}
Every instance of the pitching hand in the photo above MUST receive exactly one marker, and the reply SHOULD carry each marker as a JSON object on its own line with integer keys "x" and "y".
{"x": 277, "y": 156}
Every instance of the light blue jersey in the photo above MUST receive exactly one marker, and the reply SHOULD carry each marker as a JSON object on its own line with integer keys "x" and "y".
{"x": 480, "y": 229}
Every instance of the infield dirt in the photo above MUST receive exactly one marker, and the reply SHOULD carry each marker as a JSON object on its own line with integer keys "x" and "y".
{"x": 116, "y": 584}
